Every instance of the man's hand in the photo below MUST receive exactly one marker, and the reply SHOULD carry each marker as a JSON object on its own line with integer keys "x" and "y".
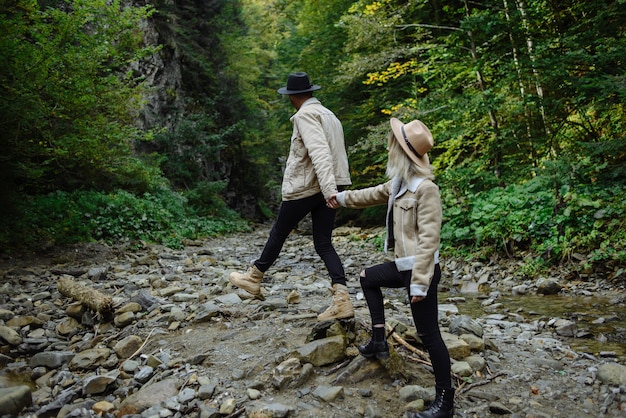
{"x": 332, "y": 202}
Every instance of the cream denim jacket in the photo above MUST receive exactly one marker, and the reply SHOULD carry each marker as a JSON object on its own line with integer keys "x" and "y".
{"x": 317, "y": 156}
{"x": 415, "y": 232}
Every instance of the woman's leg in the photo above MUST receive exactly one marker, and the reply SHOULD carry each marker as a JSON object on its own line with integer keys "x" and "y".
{"x": 372, "y": 280}
{"x": 426, "y": 318}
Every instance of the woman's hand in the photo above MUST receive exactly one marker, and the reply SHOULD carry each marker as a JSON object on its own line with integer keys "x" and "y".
{"x": 415, "y": 299}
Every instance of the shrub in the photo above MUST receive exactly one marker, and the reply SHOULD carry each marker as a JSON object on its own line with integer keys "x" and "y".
{"x": 161, "y": 216}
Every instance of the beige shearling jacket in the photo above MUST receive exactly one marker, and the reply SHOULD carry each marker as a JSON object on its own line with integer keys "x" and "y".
{"x": 317, "y": 158}
{"x": 415, "y": 233}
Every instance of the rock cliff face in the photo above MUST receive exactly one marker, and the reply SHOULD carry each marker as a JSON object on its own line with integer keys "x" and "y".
{"x": 165, "y": 97}
{"x": 164, "y": 100}
{"x": 185, "y": 76}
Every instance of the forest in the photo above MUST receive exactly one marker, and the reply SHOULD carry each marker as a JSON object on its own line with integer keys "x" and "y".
{"x": 159, "y": 121}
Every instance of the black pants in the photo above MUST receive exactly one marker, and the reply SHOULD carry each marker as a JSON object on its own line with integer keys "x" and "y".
{"x": 425, "y": 313}
{"x": 290, "y": 213}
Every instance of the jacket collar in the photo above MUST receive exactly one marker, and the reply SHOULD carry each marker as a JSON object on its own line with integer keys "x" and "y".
{"x": 312, "y": 100}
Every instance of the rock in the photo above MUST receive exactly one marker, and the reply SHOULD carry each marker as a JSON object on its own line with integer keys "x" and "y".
{"x": 322, "y": 352}
{"x": 207, "y": 311}
{"x": 464, "y": 324}
{"x": 457, "y": 348}
{"x": 565, "y": 327}
{"x": 273, "y": 410}
{"x": 128, "y": 346}
{"x": 10, "y": 335}
{"x": 152, "y": 394}
{"x": 361, "y": 369}
{"x": 286, "y": 373}
{"x": 476, "y": 344}
{"x": 462, "y": 368}
{"x": 51, "y": 359}
{"x": 89, "y": 359}
{"x": 96, "y": 384}
{"x": 410, "y": 393}
{"x": 499, "y": 408}
{"x": 14, "y": 399}
{"x": 253, "y": 394}
{"x": 67, "y": 326}
{"x": 103, "y": 407}
{"x": 548, "y": 287}
{"x": 124, "y": 319}
{"x": 328, "y": 393}
{"x": 24, "y": 321}
{"x": 228, "y": 406}
{"x": 613, "y": 374}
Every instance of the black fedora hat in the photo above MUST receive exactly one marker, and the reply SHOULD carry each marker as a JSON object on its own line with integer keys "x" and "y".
{"x": 298, "y": 83}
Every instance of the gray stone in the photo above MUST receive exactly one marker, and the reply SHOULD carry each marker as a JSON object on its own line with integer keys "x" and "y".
{"x": 613, "y": 374}
{"x": 462, "y": 368}
{"x": 14, "y": 399}
{"x": 207, "y": 311}
{"x": 89, "y": 359}
{"x": 144, "y": 374}
{"x": 328, "y": 393}
{"x": 96, "y": 384}
{"x": 10, "y": 335}
{"x": 128, "y": 346}
{"x": 322, "y": 352}
{"x": 51, "y": 359}
{"x": 548, "y": 287}
{"x": 152, "y": 394}
{"x": 124, "y": 319}
{"x": 464, "y": 324}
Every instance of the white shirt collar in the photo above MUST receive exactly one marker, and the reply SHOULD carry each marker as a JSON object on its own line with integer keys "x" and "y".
{"x": 411, "y": 185}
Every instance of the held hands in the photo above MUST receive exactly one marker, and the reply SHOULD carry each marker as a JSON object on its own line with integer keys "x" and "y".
{"x": 415, "y": 299}
{"x": 332, "y": 202}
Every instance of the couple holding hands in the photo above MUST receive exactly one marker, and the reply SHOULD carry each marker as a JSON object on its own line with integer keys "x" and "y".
{"x": 314, "y": 182}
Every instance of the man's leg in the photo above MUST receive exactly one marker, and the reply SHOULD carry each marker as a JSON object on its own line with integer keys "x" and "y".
{"x": 323, "y": 219}
{"x": 290, "y": 213}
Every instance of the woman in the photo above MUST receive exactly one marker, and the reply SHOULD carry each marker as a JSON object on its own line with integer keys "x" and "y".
{"x": 413, "y": 229}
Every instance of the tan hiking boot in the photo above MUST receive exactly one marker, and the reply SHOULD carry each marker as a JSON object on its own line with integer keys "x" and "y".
{"x": 341, "y": 307}
{"x": 249, "y": 281}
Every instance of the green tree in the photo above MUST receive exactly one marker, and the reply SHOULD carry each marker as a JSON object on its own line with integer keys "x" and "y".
{"x": 69, "y": 95}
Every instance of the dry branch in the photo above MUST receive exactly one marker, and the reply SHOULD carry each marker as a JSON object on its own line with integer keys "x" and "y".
{"x": 408, "y": 346}
{"x": 91, "y": 298}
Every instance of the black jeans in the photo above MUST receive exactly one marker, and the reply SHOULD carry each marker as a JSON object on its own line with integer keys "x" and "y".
{"x": 290, "y": 213}
{"x": 425, "y": 313}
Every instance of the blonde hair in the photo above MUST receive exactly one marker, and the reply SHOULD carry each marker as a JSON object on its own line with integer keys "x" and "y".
{"x": 400, "y": 165}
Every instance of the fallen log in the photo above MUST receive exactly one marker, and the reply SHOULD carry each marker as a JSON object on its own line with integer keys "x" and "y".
{"x": 91, "y": 298}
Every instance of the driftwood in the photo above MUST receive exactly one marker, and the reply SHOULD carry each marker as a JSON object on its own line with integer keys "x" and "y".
{"x": 408, "y": 346}
{"x": 91, "y": 298}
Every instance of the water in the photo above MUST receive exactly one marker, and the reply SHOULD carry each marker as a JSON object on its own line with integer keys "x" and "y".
{"x": 601, "y": 324}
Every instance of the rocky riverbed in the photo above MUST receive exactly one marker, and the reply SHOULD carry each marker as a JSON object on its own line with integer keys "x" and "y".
{"x": 181, "y": 342}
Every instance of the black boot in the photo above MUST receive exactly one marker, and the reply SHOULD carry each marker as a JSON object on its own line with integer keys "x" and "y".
{"x": 378, "y": 349}
{"x": 442, "y": 406}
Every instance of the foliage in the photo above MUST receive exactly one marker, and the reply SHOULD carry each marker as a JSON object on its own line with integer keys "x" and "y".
{"x": 162, "y": 216}
{"x": 191, "y": 151}
{"x": 525, "y": 100}
{"x": 69, "y": 97}
{"x": 533, "y": 217}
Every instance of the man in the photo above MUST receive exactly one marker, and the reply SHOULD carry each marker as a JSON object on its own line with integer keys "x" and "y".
{"x": 317, "y": 168}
